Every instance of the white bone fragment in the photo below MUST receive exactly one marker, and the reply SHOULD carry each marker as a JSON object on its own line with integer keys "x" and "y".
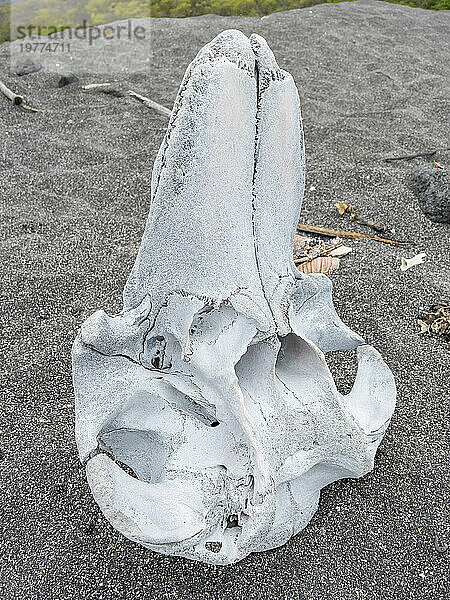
{"x": 206, "y": 414}
{"x": 407, "y": 263}
{"x": 340, "y": 251}
{"x": 95, "y": 86}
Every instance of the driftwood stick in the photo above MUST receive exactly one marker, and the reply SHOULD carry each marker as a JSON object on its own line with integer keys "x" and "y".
{"x": 347, "y": 234}
{"x": 417, "y": 155}
{"x": 95, "y": 86}
{"x": 31, "y": 108}
{"x": 15, "y": 98}
{"x": 151, "y": 104}
{"x": 372, "y": 224}
{"x": 351, "y": 211}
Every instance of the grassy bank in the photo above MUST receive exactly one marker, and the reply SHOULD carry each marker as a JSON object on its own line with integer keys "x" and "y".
{"x": 60, "y": 15}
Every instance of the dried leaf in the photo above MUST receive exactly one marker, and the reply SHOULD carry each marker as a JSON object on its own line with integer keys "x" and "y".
{"x": 321, "y": 264}
{"x": 307, "y": 248}
{"x": 424, "y": 327}
{"x": 342, "y": 207}
{"x": 301, "y": 242}
{"x": 437, "y": 320}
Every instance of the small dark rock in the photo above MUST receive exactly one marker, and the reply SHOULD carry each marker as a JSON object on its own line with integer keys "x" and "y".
{"x": 432, "y": 186}
{"x": 440, "y": 544}
{"x": 27, "y": 66}
{"x": 67, "y": 79}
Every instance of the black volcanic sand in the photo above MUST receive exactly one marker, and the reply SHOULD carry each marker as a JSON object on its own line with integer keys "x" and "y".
{"x": 75, "y": 181}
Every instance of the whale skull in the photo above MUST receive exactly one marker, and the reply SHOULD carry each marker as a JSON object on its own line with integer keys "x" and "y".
{"x": 206, "y": 414}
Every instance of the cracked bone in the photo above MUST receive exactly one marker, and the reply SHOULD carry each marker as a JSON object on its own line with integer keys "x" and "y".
{"x": 206, "y": 414}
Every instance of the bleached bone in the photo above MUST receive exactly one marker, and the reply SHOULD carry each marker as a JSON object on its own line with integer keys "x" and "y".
{"x": 407, "y": 263}
{"x": 206, "y": 414}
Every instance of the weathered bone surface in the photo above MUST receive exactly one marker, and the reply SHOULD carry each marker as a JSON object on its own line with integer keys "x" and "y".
{"x": 205, "y": 412}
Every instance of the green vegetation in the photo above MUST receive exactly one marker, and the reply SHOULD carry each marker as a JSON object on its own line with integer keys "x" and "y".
{"x": 255, "y": 8}
{"x": 60, "y": 15}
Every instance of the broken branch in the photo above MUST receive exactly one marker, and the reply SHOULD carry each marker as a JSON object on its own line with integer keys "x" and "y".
{"x": 372, "y": 224}
{"x": 350, "y": 209}
{"x": 31, "y": 108}
{"x": 15, "y": 98}
{"x": 150, "y": 103}
{"x": 348, "y": 234}
{"x": 417, "y": 155}
{"x": 95, "y": 86}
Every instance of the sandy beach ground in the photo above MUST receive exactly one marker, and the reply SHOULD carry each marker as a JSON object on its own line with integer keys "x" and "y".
{"x": 74, "y": 190}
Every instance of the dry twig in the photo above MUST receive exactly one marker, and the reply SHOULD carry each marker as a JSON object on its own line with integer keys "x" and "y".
{"x": 417, "y": 155}
{"x": 351, "y": 210}
{"x": 347, "y": 234}
{"x": 151, "y": 104}
{"x": 15, "y": 98}
{"x": 31, "y": 108}
{"x": 95, "y": 86}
